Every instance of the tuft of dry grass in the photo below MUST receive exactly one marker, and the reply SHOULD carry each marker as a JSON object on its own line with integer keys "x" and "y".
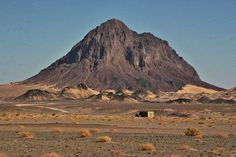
{"x": 57, "y": 130}
{"x": 147, "y": 147}
{"x": 192, "y": 132}
{"x": 85, "y": 132}
{"x": 104, "y": 139}
{"x": 21, "y": 126}
{"x": 188, "y": 148}
{"x": 117, "y": 152}
{"x": 26, "y": 134}
{"x": 175, "y": 155}
{"x": 201, "y": 122}
{"x": 113, "y": 129}
{"x": 3, "y": 155}
{"x": 185, "y": 147}
{"x": 94, "y": 130}
{"x": 52, "y": 155}
{"x": 223, "y": 135}
{"x": 217, "y": 150}
{"x": 199, "y": 136}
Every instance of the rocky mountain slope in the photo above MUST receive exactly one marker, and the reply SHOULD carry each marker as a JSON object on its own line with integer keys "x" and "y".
{"x": 112, "y": 56}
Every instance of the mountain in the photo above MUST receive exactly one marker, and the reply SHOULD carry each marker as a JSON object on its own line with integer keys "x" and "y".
{"x": 112, "y": 56}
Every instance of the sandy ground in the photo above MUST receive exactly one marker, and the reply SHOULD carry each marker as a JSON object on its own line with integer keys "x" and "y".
{"x": 56, "y": 127}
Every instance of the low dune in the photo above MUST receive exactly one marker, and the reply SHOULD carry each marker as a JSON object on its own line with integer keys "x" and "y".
{"x": 195, "y": 90}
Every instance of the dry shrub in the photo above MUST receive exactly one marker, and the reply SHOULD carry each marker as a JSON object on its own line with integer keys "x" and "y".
{"x": 185, "y": 147}
{"x": 175, "y": 155}
{"x": 21, "y": 126}
{"x": 223, "y": 135}
{"x": 199, "y": 140}
{"x": 188, "y": 148}
{"x": 52, "y": 155}
{"x": 199, "y": 136}
{"x": 192, "y": 132}
{"x": 147, "y": 147}
{"x": 94, "y": 130}
{"x": 201, "y": 122}
{"x": 3, "y": 155}
{"x": 113, "y": 129}
{"x": 57, "y": 130}
{"x": 217, "y": 150}
{"x": 26, "y": 134}
{"x": 85, "y": 132}
{"x": 104, "y": 139}
{"x": 117, "y": 152}
{"x": 3, "y": 114}
{"x": 202, "y": 118}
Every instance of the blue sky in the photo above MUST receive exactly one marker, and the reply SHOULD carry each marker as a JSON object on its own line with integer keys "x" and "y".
{"x": 34, "y": 33}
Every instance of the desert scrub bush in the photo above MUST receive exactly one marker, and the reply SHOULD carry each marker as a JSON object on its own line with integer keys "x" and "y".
{"x": 175, "y": 155}
{"x": 202, "y": 118}
{"x": 113, "y": 130}
{"x": 223, "y": 135}
{"x": 21, "y": 126}
{"x": 117, "y": 152}
{"x": 85, "y": 132}
{"x": 104, "y": 139}
{"x": 185, "y": 147}
{"x": 52, "y": 155}
{"x": 147, "y": 147}
{"x": 3, "y": 114}
{"x": 57, "y": 130}
{"x": 188, "y": 148}
{"x": 26, "y": 134}
{"x": 201, "y": 122}
{"x": 94, "y": 130}
{"x": 217, "y": 150}
{"x": 3, "y": 155}
{"x": 192, "y": 132}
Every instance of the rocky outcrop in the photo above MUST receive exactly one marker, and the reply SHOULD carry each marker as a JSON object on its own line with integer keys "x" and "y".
{"x": 36, "y": 95}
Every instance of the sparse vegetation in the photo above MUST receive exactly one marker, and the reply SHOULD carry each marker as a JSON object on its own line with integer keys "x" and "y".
{"x": 117, "y": 152}
{"x": 113, "y": 129}
{"x": 217, "y": 150}
{"x": 94, "y": 130}
{"x": 26, "y": 134}
{"x": 3, "y": 155}
{"x": 52, "y": 155}
{"x": 57, "y": 130}
{"x": 147, "y": 147}
{"x": 223, "y": 135}
{"x": 185, "y": 147}
{"x": 85, "y": 132}
{"x": 188, "y": 148}
{"x": 104, "y": 139}
{"x": 21, "y": 126}
{"x": 175, "y": 155}
{"x": 132, "y": 131}
{"x": 201, "y": 122}
{"x": 192, "y": 132}
{"x": 3, "y": 114}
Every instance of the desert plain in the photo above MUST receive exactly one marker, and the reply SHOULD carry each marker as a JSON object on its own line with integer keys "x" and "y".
{"x": 74, "y": 128}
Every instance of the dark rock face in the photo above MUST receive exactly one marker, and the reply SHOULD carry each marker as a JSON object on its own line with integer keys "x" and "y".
{"x": 113, "y": 56}
{"x": 36, "y": 94}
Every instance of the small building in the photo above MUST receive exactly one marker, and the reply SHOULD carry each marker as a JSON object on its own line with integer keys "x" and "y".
{"x": 149, "y": 114}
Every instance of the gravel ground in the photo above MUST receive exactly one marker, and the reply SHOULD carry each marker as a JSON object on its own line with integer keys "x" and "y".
{"x": 70, "y": 144}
